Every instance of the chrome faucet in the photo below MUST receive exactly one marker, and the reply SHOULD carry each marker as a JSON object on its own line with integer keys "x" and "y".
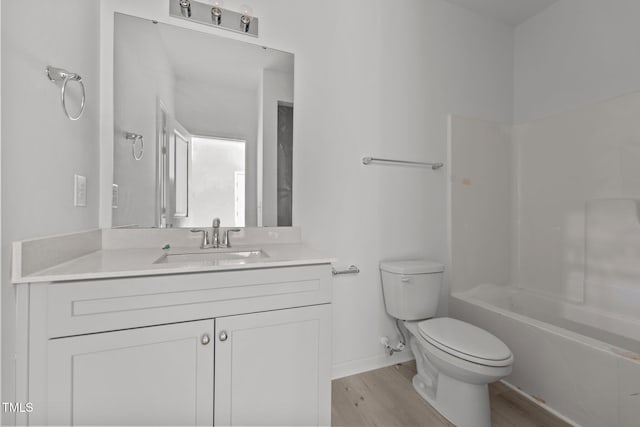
{"x": 214, "y": 242}
{"x": 215, "y": 237}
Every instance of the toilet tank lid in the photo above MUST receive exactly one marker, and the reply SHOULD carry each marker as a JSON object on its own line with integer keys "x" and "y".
{"x": 412, "y": 267}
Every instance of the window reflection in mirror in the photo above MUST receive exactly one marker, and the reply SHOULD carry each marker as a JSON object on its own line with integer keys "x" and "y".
{"x": 216, "y": 182}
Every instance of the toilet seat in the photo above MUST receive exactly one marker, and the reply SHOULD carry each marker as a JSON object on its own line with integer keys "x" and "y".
{"x": 465, "y": 341}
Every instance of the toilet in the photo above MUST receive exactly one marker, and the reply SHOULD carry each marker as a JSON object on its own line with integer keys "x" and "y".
{"x": 455, "y": 360}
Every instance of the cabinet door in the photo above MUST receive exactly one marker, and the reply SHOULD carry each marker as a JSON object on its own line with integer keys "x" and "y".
{"x": 161, "y": 375}
{"x": 273, "y": 368}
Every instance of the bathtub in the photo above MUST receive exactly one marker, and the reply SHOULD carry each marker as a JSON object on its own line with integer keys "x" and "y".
{"x": 579, "y": 362}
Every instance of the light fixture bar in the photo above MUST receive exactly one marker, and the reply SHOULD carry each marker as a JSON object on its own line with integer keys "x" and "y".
{"x": 214, "y": 16}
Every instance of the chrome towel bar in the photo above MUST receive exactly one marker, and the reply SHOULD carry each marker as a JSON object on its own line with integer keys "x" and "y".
{"x": 352, "y": 269}
{"x": 369, "y": 160}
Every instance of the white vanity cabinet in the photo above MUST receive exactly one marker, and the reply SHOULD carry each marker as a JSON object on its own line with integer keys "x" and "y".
{"x": 248, "y": 347}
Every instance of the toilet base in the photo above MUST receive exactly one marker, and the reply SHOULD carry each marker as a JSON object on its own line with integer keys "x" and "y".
{"x": 465, "y": 405}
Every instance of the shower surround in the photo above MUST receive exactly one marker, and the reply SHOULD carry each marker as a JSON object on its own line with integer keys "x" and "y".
{"x": 545, "y": 250}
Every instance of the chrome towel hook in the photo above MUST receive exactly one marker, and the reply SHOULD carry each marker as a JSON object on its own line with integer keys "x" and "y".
{"x": 60, "y": 75}
{"x": 134, "y": 138}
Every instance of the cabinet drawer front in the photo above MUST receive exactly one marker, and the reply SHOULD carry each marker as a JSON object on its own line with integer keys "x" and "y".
{"x": 75, "y": 308}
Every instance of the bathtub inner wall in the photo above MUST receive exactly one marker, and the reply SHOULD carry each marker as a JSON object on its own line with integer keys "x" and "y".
{"x": 608, "y": 328}
{"x": 578, "y": 190}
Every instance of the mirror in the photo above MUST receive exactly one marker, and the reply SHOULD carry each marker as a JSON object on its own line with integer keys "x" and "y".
{"x": 210, "y": 120}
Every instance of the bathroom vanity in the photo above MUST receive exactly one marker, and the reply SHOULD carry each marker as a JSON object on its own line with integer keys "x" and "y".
{"x": 115, "y": 337}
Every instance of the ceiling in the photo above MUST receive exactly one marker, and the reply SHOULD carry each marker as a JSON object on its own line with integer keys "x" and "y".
{"x": 512, "y": 12}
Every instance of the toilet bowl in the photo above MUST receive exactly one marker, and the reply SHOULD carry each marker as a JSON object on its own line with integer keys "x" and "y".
{"x": 453, "y": 376}
{"x": 455, "y": 360}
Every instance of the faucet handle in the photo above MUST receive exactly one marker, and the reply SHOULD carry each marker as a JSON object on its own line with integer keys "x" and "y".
{"x": 226, "y": 242}
{"x": 205, "y": 237}
{"x": 216, "y": 222}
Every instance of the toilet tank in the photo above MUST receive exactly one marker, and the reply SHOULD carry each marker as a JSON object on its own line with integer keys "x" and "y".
{"x": 411, "y": 288}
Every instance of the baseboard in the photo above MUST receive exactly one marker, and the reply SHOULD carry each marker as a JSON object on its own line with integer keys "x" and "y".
{"x": 354, "y": 367}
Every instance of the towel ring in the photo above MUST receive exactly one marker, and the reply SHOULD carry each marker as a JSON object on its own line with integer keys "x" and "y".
{"x": 134, "y": 138}
{"x": 64, "y": 76}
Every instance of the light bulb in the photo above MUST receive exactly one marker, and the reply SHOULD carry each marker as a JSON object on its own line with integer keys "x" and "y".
{"x": 246, "y": 10}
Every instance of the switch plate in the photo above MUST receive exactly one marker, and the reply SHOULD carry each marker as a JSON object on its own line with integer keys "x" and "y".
{"x": 79, "y": 190}
{"x": 114, "y": 196}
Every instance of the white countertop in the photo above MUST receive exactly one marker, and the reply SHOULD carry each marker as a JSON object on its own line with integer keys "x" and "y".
{"x": 111, "y": 263}
{"x": 102, "y": 254}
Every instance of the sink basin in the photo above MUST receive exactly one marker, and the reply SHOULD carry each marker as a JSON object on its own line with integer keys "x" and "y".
{"x": 224, "y": 257}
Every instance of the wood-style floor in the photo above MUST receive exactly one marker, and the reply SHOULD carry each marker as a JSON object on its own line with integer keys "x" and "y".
{"x": 385, "y": 397}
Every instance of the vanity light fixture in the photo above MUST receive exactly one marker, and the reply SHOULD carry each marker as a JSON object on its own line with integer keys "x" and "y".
{"x": 214, "y": 15}
{"x": 185, "y": 8}
{"x": 216, "y": 12}
{"x": 245, "y": 19}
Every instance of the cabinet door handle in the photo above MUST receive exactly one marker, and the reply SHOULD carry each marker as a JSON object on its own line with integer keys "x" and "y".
{"x": 223, "y": 336}
{"x": 205, "y": 339}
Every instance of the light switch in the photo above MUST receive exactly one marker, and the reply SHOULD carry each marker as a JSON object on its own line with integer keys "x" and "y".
{"x": 114, "y": 196}
{"x": 79, "y": 190}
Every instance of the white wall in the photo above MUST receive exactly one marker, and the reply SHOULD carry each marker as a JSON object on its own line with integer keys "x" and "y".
{"x": 276, "y": 87}
{"x": 574, "y": 53}
{"x": 41, "y": 148}
{"x": 143, "y": 76}
{"x": 217, "y": 110}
